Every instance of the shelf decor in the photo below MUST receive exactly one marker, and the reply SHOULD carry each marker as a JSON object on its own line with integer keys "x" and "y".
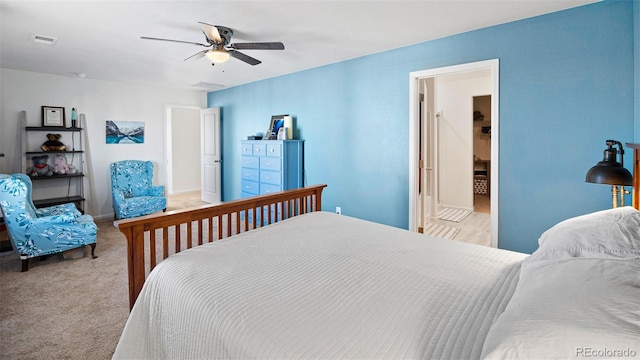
{"x": 53, "y": 116}
{"x": 57, "y": 184}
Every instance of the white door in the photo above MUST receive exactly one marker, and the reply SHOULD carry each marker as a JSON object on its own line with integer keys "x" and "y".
{"x": 210, "y": 155}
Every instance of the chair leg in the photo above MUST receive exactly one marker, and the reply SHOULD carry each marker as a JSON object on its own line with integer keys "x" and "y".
{"x": 93, "y": 251}
{"x": 25, "y": 265}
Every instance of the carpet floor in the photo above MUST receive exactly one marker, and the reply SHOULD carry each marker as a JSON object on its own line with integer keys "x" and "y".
{"x": 65, "y": 309}
{"x": 69, "y": 309}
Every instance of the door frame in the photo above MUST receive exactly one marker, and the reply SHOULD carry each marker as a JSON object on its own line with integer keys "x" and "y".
{"x": 414, "y": 128}
{"x": 168, "y": 152}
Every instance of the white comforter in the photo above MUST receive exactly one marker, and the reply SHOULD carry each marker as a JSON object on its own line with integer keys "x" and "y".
{"x": 322, "y": 286}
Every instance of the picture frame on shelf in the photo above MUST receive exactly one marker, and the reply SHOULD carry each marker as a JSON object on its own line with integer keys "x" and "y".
{"x": 53, "y": 116}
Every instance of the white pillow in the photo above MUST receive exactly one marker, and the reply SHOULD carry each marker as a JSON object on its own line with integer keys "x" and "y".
{"x": 609, "y": 233}
{"x": 570, "y": 309}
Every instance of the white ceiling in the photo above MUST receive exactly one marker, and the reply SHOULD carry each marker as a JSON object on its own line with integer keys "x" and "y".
{"x": 102, "y": 38}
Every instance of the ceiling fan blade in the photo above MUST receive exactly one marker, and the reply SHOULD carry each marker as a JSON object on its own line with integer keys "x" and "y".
{"x": 178, "y": 41}
{"x": 259, "y": 46}
{"x": 211, "y": 32}
{"x": 244, "y": 57}
{"x": 197, "y": 55}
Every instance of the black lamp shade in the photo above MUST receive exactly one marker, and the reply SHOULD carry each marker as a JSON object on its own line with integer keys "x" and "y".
{"x": 609, "y": 171}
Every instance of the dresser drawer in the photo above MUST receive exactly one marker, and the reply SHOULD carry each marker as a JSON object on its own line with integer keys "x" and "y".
{"x": 271, "y": 177}
{"x": 250, "y": 187}
{"x": 259, "y": 149}
{"x": 269, "y": 188}
{"x": 246, "y": 149}
{"x": 250, "y": 162}
{"x": 270, "y": 166}
{"x": 267, "y": 163}
{"x": 274, "y": 150}
{"x": 250, "y": 174}
{"x": 245, "y": 195}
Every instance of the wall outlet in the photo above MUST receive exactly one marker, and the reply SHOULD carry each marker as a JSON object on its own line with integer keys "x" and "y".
{"x": 338, "y": 210}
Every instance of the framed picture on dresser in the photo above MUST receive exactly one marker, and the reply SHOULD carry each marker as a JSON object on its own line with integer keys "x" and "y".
{"x": 277, "y": 121}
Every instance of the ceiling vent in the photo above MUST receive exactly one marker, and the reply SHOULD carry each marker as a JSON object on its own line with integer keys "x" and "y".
{"x": 41, "y": 39}
{"x": 208, "y": 86}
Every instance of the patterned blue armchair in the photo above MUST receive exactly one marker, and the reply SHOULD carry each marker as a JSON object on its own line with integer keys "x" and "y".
{"x": 133, "y": 191}
{"x": 38, "y": 232}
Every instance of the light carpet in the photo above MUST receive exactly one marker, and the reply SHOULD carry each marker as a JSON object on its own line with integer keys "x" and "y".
{"x": 65, "y": 309}
{"x": 69, "y": 309}
{"x": 455, "y": 215}
{"x": 441, "y": 231}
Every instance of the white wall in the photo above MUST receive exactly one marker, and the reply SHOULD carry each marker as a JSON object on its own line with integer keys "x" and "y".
{"x": 454, "y": 101}
{"x": 99, "y": 101}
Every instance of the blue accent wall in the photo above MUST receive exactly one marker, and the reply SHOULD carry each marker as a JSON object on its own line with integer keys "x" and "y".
{"x": 566, "y": 85}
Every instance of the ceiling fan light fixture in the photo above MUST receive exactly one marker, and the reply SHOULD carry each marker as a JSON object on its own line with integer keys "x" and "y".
{"x": 218, "y": 56}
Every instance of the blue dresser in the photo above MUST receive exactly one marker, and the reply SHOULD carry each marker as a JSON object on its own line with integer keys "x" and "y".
{"x": 270, "y": 166}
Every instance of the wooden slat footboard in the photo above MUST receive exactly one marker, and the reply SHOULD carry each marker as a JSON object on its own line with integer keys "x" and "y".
{"x": 160, "y": 235}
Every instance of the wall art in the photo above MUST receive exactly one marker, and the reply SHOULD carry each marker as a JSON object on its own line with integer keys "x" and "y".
{"x": 124, "y": 132}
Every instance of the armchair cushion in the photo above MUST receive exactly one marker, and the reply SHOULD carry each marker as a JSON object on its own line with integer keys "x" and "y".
{"x": 64, "y": 209}
{"x": 132, "y": 189}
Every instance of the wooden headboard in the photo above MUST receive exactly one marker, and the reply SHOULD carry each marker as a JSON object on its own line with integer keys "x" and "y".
{"x": 636, "y": 174}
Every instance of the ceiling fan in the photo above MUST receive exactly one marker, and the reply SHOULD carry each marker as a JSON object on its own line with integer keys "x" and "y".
{"x": 220, "y": 48}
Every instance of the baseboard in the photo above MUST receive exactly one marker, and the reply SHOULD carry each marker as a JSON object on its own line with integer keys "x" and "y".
{"x": 103, "y": 217}
{"x": 182, "y": 192}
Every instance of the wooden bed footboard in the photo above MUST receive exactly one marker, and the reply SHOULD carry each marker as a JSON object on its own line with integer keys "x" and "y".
{"x": 160, "y": 235}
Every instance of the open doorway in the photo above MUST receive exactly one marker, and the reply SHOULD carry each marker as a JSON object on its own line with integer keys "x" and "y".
{"x": 441, "y": 153}
{"x": 482, "y": 154}
{"x": 193, "y": 154}
{"x": 182, "y": 152}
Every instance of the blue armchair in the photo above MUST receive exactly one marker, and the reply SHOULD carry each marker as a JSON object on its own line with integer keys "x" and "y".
{"x": 133, "y": 191}
{"x": 38, "y": 232}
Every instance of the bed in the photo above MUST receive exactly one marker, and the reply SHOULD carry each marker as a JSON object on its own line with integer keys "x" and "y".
{"x": 316, "y": 285}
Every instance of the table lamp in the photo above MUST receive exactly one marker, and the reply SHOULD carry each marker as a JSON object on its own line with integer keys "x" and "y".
{"x": 611, "y": 172}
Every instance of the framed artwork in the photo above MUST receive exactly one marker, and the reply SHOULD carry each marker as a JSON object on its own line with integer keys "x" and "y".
{"x": 53, "y": 116}
{"x": 124, "y": 132}
{"x": 277, "y": 121}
